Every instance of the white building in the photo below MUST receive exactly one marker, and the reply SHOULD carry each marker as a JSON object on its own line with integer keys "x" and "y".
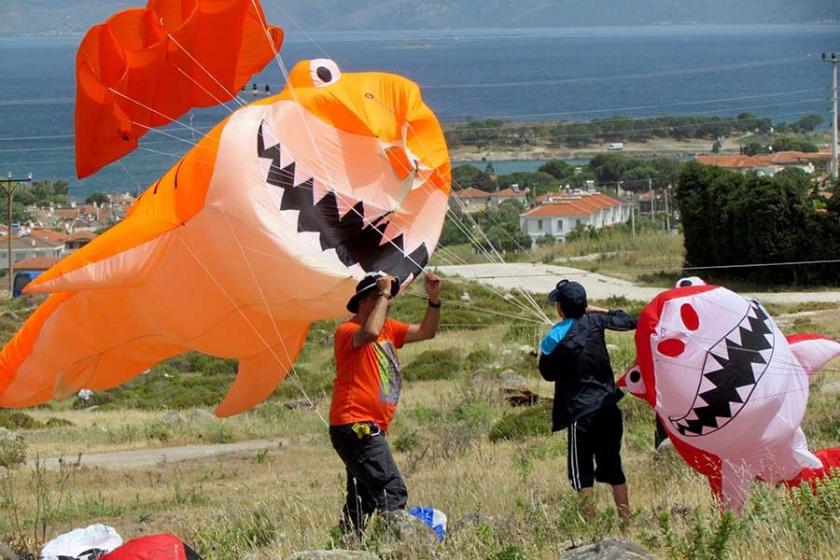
{"x": 560, "y": 214}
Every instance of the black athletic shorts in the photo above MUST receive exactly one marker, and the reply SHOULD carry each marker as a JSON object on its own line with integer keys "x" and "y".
{"x": 595, "y": 448}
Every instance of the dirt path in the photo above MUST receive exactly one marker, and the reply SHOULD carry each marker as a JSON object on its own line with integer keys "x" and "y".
{"x": 151, "y": 457}
{"x": 541, "y": 278}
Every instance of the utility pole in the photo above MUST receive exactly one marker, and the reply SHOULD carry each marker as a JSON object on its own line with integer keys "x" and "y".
{"x": 633, "y": 214}
{"x": 10, "y": 185}
{"x": 834, "y": 60}
{"x": 667, "y": 213}
{"x": 652, "y": 204}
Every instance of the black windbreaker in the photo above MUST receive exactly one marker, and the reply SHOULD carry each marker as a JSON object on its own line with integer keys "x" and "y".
{"x": 580, "y": 367}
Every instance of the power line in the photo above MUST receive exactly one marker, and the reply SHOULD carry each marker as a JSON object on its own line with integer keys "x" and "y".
{"x": 656, "y": 74}
{"x": 658, "y": 268}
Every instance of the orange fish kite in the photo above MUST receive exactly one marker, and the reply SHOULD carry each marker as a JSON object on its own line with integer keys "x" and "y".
{"x": 263, "y": 227}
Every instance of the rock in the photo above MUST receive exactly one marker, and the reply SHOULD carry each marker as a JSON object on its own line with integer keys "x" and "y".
{"x": 7, "y": 553}
{"x": 8, "y": 435}
{"x": 332, "y": 555}
{"x": 510, "y": 380}
{"x": 609, "y": 549}
{"x": 465, "y": 296}
{"x": 199, "y": 415}
{"x": 172, "y": 418}
{"x": 293, "y": 405}
{"x": 516, "y": 390}
{"x": 665, "y": 448}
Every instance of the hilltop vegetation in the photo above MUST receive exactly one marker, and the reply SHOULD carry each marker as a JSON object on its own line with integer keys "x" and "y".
{"x": 487, "y": 133}
{"x": 59, "y": 17}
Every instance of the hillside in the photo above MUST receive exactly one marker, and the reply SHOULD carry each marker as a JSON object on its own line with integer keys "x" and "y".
{"x": 56, "y": 17}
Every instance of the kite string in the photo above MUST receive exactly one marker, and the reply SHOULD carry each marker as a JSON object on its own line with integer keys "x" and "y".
{"x": 246, "y": 318}
{"x": 295, "y": 376}
{"x": 233, "y": 96}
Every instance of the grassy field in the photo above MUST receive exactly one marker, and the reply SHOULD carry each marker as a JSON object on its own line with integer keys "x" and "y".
{"x": 507, "y": 499}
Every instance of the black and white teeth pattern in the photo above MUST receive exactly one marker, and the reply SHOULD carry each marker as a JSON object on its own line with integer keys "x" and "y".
{"x": 362, "y": 242}
{"x": 732, "y": 369}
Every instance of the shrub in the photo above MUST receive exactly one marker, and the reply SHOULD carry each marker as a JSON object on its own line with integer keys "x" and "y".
{"x": 533, "y": 421}
{"x": 15, "y": 420}
{"x": 58, "y": 423}
{"x": 12, "y": 450}
{"x": 434, "y": 364}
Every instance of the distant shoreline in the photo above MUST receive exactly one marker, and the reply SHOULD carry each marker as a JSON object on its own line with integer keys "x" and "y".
{"x": 294, "y": 35}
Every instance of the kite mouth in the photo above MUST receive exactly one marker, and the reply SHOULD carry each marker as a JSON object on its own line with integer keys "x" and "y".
{"x": 360, "y": 233}
{"x": 731, "y": 371}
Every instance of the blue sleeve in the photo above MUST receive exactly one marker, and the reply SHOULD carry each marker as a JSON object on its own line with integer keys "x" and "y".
{"x": 557, "y": 333}
{"x": 550, "y": 342}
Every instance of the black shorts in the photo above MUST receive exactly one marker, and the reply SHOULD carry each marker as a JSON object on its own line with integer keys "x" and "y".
{"x": 595, "y": 448}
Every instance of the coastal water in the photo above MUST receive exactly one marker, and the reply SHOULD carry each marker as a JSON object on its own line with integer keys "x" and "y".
{"x": 520, "y": 75}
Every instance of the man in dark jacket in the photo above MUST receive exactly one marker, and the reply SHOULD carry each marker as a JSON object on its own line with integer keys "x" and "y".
{"x": 574, "y": 356}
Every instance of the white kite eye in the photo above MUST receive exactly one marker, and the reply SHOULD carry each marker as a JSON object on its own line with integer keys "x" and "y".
{"x": 633, "y": 381}
{"x": 324, "y": 72}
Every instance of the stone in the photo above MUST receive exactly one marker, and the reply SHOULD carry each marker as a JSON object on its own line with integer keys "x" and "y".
{"x": 294, "y": 405}
{"x": 172, "y": 418}
{"x": 516, "y": 390}
{"x": 8, "y": 435}
{"x": 200, "y": 415}
{"x": 609, "y": 549}
{"x": 332, "y": 555}
{"x": 7, "y": 553}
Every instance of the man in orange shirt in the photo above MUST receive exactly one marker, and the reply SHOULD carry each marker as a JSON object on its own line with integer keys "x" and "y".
{"x": 366, "y": 391}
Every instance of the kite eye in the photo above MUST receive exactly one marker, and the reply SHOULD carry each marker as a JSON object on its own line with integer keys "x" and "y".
{"x": 324, "y": 72}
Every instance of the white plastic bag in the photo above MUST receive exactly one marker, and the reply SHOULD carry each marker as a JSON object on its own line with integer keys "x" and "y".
{"x": 82, "y": 544}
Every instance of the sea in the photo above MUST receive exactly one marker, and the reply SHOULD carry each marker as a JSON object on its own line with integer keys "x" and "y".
{"x": 509, "y": 74}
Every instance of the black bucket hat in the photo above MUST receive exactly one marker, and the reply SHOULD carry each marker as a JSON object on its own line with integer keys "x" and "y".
{"x": 365, "y": 285}
{"x": 571, "y": 296}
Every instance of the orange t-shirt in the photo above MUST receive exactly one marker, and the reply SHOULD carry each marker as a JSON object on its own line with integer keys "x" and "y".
{"x": 368, "y": 379}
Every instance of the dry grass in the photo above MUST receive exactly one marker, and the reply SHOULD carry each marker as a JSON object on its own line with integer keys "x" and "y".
{"x": 511, "y": 494}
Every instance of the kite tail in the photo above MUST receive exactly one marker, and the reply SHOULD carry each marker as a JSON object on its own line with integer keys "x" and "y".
{"x": 830, "y": 459}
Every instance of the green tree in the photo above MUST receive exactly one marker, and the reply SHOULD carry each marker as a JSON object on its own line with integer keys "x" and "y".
{"x": 468, "y": 176}
{"x": 558, "y": 169}
{"x": 99, "y": 198}
{"x": 808, "y": 123}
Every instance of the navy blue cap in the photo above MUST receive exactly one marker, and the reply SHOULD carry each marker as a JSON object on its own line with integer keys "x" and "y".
{"x": 570, "y": 295}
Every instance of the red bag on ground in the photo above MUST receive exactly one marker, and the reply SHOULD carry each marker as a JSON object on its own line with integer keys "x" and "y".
{"x": 153, "y": 547}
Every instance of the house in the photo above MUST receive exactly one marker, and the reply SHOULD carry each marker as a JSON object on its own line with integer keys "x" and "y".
{"x": 561, "y": 213}
{"x": 472, "y": 200}
{"x": 78, "y": 239}
{"x": 766, "y": 165}
{"x": 27, "y": 246}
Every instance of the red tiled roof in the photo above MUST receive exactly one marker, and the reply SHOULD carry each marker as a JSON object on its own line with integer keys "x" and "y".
{"x": 763, "y": 160}
{"x": 556, "y": 211}
{"x": 67, "y": 213}
{"x": 82, "y": 235}
{"x": 596, "y": 201}
{"x": 36, "y": 263}
{"x": 471, "y": 192}
{"x": 508, "y": 192}
{"x": 49, "y": 235}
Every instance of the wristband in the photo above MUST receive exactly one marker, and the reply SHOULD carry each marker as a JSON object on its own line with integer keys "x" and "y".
{"x": 384, "y": 294}
{"x": 434, "y": 305}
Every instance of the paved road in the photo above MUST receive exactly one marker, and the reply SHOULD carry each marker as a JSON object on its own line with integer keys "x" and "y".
{"x": 151, "y": 457}
{"x": 540, "y": 279}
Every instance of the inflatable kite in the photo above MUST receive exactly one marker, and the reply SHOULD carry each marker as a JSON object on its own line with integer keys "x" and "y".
{"x": 260, "y": 229}
{"x": 146, "y": 67}
{"x": 729, "y": 388}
